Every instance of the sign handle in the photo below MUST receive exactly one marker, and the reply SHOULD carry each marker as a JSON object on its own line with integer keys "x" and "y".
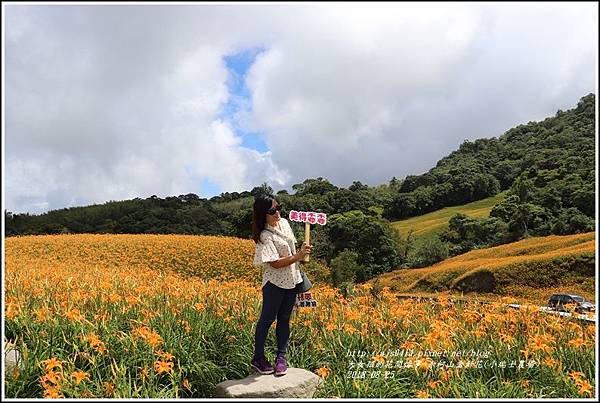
{"x": 306, "y": 239}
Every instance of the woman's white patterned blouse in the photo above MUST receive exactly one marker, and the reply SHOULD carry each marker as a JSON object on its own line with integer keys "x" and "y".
{"x": 273, "y": 246}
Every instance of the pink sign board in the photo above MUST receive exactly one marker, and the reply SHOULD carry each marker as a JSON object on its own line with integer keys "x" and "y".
{"x": 309, "y": 217}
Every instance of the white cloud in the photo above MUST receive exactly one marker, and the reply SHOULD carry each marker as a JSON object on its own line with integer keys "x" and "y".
{"x": 114, "y": 102}
{"x": 116, "y": 116}
{"x": 371, "y": 93}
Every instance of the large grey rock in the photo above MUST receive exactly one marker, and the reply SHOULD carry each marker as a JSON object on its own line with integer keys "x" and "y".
{"x": 12, "y": 358}
{"x": 297, "y": 382}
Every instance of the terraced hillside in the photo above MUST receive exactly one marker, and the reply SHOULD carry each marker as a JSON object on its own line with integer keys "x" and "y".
{"x": 529, "y": 269}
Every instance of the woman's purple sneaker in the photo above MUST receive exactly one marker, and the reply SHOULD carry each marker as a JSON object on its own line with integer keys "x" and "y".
{"x": 280, "y": 365}
{"x": 262, "y": 366}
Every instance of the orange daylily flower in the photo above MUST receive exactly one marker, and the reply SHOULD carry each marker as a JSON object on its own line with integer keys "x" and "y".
{"x": 52, "y": 363}
{"x": 80, "y": 376}
{"x": 163, "y": 367}
{"x": 323, "y": 372}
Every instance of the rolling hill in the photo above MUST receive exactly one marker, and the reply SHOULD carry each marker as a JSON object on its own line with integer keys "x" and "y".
{"x": 433, "y": 223}
{"x": 529, "y": 269}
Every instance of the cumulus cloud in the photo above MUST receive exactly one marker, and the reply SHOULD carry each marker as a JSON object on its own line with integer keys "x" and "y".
{"x": 389, "y": 91}
{"x": 109, "y": 103}
{"x": 114, "y": 102}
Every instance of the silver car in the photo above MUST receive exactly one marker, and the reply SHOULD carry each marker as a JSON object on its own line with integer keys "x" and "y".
{"x": 559, "y": 302}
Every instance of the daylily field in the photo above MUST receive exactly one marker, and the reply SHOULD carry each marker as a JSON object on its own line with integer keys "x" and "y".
{"x": 173, "y": 315}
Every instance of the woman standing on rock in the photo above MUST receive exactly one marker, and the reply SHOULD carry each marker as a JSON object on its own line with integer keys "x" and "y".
{"x": 276, "y": 253}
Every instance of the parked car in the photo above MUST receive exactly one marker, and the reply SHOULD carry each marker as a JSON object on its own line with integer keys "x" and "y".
{"x": 560, "y": 302}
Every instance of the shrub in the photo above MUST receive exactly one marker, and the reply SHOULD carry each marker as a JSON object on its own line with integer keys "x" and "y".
{"x": 427, "y": 252}
{"x": 347, "y": 289}
{"x": 344, "y": 267}
{"x": 316, "y": 271}
{"x": 374, "y": 240}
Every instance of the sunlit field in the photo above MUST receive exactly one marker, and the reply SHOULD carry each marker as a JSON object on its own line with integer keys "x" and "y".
{"x": 530, "y": 270}
{"x": 430, "y": 224}
{"x": 171, "y": 316}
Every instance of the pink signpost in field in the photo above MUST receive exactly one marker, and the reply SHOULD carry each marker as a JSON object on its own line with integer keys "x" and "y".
{"x": 308, "y": 217}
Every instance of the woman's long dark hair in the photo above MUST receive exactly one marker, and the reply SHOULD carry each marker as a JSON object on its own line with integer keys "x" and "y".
{"x": 259, "y": 216}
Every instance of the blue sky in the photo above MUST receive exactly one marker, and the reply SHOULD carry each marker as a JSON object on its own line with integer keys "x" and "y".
{"x": 240, "y": 100}
{"x": 209, "y": 189}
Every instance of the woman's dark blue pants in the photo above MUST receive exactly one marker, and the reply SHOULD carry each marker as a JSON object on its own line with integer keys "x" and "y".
{"x": 277, "y": 303}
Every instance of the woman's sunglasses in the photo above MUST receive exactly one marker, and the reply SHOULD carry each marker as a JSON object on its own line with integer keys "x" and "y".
{"x": 272, "y": 210}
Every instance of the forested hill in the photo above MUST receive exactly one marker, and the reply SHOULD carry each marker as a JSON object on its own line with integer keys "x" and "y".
{"x": 548, "y": 166}
{"x": 555, "y": 158}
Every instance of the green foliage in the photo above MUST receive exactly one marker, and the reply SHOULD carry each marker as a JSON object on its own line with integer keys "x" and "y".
{"x": 426, "y": 252}
{"x": 462, "y": 186}
{"x": 186, "y": 214}
{"x": 521, "y": 217}
{"x": 375, "y": 241}
{"x": 527, "y": 218}
{"x": 317, "y": 186}
{"x": 434, "y": 223}
{"x": 406, "y": 245}
{"x": 465, "y": 233}
{"x": 357, "y": 186}
{"x": 545, "y": 213}
{"x": 343, "y": 200}
{"x": 522, "y": 188}
{"x": 236, "y": 216}
{"x": 323, "y": 247}
{"x": 308, "y": 202}
{"x": 347, "y": 289}
{"x": 394, "y": 185}
{"x": 262, "y": 190}
{"x": 344, "y": 267}
{"x": 317, "y": 272}
{"x": 376, "y": 291}
{"x": 549, "y": 164}
{"x": 572, "y": 221}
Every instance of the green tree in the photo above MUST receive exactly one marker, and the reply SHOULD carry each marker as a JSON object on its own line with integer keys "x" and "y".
{"x": 465, "y": 233}
{"x": 317, "y": 186}
{"x": 528, "y": 217}
{"x": 428, "y": 251}
{"x": 572, "y": 221}
{"x": 342, "y": 200}
{"x": 344, "y": 267}
{"x": 357, "y": 186}
{"x": 262, "y": 190}
{"x": 375, "y": 241}
{"x": 522, "y": 188}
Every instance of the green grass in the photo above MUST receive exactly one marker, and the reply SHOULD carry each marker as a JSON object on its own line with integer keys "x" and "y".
{"x": 433, "y": 223}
